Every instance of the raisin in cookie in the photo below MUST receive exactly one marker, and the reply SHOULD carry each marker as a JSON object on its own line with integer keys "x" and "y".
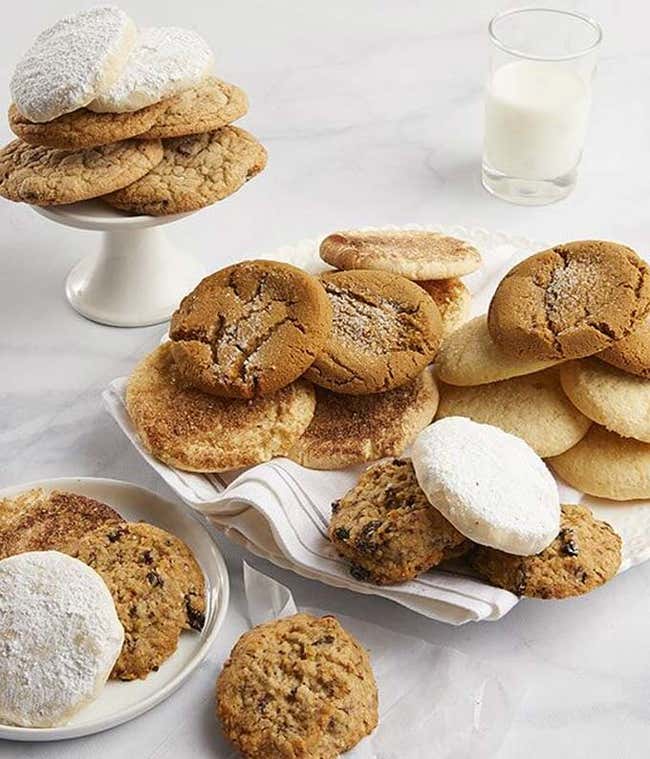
{"x": 297, "y": 688}
{"x": 388, "y": 529}
{"x": 585, "y": 554}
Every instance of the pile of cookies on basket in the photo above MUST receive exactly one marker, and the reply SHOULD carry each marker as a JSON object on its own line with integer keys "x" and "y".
{"x": 134, "y": 116}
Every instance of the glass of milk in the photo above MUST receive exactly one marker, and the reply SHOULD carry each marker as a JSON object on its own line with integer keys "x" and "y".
{"x": 542, "y": 64}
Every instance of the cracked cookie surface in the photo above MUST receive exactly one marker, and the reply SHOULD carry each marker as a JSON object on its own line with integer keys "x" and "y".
{"x": 385, "y": 330}
{"x": 198, "y": 432}
{"x": 632, "y": 353}
{"x": 388, "y": 530}
{"x": 48, "y": 176}
{"x": 195, "y": 172}
{"x": 570, "y": 301}
{"x": 300, "y": 687}
{"x": 250, "y": 329}
{"x": 585, "y": 554}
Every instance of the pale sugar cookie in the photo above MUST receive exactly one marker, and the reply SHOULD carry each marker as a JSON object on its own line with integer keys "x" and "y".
{"x": 453, "y": 300}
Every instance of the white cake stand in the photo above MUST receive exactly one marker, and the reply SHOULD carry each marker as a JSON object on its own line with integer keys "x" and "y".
{"x": 137, "y": 277}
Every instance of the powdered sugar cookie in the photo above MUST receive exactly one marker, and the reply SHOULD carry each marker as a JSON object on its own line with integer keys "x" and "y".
{"x": 61, "y": 636}
{"x": 72, "y": 63}
{"x": 165, "y": 61}
{"x": 489, "y": 484}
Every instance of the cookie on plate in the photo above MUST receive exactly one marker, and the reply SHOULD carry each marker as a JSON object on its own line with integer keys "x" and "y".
{"x": 453, "y": 300}
{"x": 414, "y": 254}
{"x": 388, "y": 530}
{"x": 632, "y": 353}
{"x": 157, "y": 588}
{"x": 47, "y": 176}
{"x": 348, "y": 430}
{"x": 385, "y": 330}
{"x": 297, "y": 687}
{"x": 470, "y": 357}
{"x": 533, "y": 407}
{"x": 570, "y": 301}
{"x": 195, "y": 172}
{"x": 585, "y": 555}
{"x": 203, "y": 108}
{"x": 606, "y": 465}
{"x": 198, "y": 432}
{"x": 250, "y": 329}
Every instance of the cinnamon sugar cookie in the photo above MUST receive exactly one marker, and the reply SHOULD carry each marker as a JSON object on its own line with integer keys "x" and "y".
{"x": 453, "y": 300}
{"x": 632, "y": 353}
{"x": 385, "y": 330}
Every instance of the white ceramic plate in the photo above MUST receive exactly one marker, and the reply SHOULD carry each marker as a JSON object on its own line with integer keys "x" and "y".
{"x": 122, "y": 701}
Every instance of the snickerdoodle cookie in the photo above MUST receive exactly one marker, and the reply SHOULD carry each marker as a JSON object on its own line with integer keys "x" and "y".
{"x": 195, "y": 172}
{"x": 198, "y": 432}
{"x": 606, "y": 465}
{"x": 47, "y": 176}
{"x": 469, "y": 356}
{"x": 412, "y": 253}
{"x": 585, "y": 554}
{"x": 297, "y": 687}
{"x": 570, "y": 301}
{"x": 385, "y": 330}
{"x": 532, "y": 407}
{"x": 453, "y": 300}
{"x": 348, "y": 429}
{"x": 250, "y": 329}
{"x": 613, "y": 398}
{"x": 632, "y": 353}
{"x": 388, "y": 530}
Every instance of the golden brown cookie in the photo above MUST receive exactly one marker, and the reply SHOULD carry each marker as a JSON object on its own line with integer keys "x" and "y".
{"x": 197, "y": 432}
{"x": 250, "y": 329}
{"x": 83, "y": 129}
{"x": 632, "y": 353}
{"x": 606, "y": 465}
{"x": 297, "y": 688}
{"x": 37, "y": 520}
{"x": 585, "y": 555}
{"x": 385, "y": 330}
{"x": 570, "y": 301}
{"x": 388, "y": 530}
{"x": 412, "y": 253}
{"x": 195, "y": 172}
{"x": 453, "y": 300}
{"x": 47, "y": 177}
{"x": 204, "y": 108}
{"x": 348, "y": 430}
{"x": 157, "y": 587}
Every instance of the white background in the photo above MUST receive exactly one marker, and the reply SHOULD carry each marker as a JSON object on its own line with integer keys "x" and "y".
{"x": 372, "y": 114}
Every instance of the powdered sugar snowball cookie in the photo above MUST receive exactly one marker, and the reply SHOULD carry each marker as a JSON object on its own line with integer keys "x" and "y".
{"x": 489, "y": 484}
{"x": 60, "y": 638}
{"x": 72, "y": 63}
{"x": 165, "y": 61}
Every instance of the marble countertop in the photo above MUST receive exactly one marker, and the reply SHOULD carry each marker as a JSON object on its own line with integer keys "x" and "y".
{"x": 372, "y": 114}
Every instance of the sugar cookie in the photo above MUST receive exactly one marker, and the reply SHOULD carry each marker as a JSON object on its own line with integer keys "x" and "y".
{"x": 453, "y": 300}
{"x": 632, "y": 353}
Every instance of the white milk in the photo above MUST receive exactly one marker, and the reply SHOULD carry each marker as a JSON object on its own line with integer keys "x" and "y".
{"x": 535, "y": 120}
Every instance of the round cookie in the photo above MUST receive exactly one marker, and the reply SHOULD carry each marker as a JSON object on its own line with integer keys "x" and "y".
{"x": 453, "y": 300}
{"x": 348, "y": 430}
{"x": 532, "y": 407}
{"x": 60, "y": 637}
{"x": 632, "y": 353}
{"x": 385, "y": 330}
{"x": 84, "y": 129}
{"x": 297, "y": 687}
{"x": 47, "y": 176}
{"x": 388, "y": 530}
{"x": 197, "y": 432}
{"x": 250, "y": 329}
{"x": 570, "y": 301}
{"x": 412, "y": 253}
{"x": 157, "y": 588}
{"x": 204, "y": 108}
{"x": 195, "y": 172}
{"x": 585, "y": 554}
{"x": 483, "y": 480}
{"x": 469, "y": 357}
{"x": 606, "y": 465}
{"x": 614, "y": 399}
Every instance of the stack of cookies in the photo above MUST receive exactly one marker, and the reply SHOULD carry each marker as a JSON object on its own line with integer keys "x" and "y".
{"x": 562, "y": 359}
{"x": 135, "y": 117}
